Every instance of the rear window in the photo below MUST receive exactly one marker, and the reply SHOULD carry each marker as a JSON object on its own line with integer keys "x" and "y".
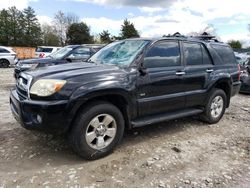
{"x": 226, "y": 53}
{"x": 2, "y": 50}
{"x": 46, "y": 50}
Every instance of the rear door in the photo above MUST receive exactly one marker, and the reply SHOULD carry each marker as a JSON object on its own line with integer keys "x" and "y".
{"x": 161, "y": 88}
{"x": 198, "y": 67}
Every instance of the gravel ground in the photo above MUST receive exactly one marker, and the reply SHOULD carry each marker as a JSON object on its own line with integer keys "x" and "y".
{"x": 180, "y": 153}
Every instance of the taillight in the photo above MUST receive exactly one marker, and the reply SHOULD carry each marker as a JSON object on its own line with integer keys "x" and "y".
{"x": 42, "y": 55}
{"x": 239, "y": 72}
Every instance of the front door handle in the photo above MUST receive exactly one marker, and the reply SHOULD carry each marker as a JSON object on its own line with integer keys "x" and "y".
{"x": 209, "y": 70}
{"x": 180, "y": 73}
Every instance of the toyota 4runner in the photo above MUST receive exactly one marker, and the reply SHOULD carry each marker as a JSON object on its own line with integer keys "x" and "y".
{"x": 127, "y": 84}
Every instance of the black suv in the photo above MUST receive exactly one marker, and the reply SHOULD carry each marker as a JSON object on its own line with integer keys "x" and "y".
{"x": 127, "y": 84}
{"x": 71, "y": 53}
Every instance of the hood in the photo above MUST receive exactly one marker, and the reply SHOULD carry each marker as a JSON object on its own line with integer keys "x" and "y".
{"x": 37, "y": 60}
{"x": 74, "y": 71}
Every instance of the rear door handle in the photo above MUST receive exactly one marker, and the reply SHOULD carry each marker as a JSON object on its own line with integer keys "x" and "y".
{"x": 180, "y": 73}
{"x": 209, "y": 70}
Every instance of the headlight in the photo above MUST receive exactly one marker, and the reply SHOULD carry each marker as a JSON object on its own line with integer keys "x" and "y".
{"x": 46, "y": 87}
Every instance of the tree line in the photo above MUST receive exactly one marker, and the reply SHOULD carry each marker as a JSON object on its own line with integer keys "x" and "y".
{"x": 22, "y": 28}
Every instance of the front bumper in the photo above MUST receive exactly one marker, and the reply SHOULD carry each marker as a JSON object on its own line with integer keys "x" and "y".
{"x": 48, "y": 116}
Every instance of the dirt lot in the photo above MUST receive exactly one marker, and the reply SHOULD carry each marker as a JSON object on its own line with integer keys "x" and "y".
{"x": 181, "y": 153}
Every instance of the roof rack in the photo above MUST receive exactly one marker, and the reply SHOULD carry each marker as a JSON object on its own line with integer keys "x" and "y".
{"x": 206, "y": 37}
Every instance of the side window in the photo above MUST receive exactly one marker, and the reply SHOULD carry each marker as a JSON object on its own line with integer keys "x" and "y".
{"x": 163, "y": 54}
{"x": 47, "y": 50}
{"x": 226, "y": 53}
{"x": 206, "y": 58}
{"x": 2, "y": 50}
{"x": 192, "y": 53}
{"x": 80, "y": 53}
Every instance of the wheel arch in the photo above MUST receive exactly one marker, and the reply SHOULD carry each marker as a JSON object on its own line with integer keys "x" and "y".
{"x": 226, "y": 87}
{"x": 119, "y": 100}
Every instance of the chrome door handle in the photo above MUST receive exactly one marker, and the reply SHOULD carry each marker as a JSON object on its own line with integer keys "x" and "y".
{"x": 209, "y": 70}
{"x": 180, "y": 73}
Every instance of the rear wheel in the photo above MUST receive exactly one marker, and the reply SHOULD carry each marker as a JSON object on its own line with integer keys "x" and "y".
{"x": 97, "y": 130}
{"x": 215, "y": 107}
{"x": 4, "y": 63}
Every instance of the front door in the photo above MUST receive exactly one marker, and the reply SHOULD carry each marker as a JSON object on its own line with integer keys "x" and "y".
{"x": 161, "y": 88}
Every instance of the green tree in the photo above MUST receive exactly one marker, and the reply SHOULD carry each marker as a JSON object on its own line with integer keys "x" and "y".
{"x": 79, "y": 33}
{"x": 236, "y": 44}
{"x": 4, "y": 27}
{"x": 49, "y": 38}
{"x": 32, "y": 28}
{"x": 105, "y": 36}
{"x": 15, "y": 27}
{"x": 128, "y": 30}
{"x": 19, "y": 28}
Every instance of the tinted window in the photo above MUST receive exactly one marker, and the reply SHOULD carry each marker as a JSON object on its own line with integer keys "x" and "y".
{"x": 206, "y": 57}
{"x": 192, "y": 53}
{"x": 2, "y": 50}
{"x": 80, "y": 53}
{"x": 46, "y": 50}
{"x": 226, "y": 53}
{"x": 163, "y": 54}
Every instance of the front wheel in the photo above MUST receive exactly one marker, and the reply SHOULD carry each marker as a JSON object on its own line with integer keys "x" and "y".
{"x": 97, "y": 130}
{"x": 215, "y": 107}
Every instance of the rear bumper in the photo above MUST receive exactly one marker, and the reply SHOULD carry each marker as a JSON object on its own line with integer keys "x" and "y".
{"x": 245, "y": 88}
{"x": 48, "y": 116}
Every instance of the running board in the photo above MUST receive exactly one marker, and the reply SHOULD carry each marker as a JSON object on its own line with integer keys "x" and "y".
{"x": 165, "y": 117}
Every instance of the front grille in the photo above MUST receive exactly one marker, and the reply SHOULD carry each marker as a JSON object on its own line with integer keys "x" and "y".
{"x": 23, "y": 84}
{"x": 21, "y": 92}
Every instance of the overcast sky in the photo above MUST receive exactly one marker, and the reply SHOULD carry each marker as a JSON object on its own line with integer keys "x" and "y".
{"x": 230, "y": 18}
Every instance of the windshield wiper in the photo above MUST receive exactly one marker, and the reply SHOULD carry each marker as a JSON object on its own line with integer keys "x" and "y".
{"x": 50, "y": 56}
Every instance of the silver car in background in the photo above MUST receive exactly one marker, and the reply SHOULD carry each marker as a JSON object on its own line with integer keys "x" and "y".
{"x": 7, "y": 57}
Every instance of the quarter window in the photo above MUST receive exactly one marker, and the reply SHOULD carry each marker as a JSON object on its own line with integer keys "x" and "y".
{"x": 225, "y": 53}
{"x": 163, "y": 54}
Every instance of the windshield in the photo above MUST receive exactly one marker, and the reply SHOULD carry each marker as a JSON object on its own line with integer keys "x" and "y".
{"x": 60, "y": 53}
{"x": 120, "y": 53}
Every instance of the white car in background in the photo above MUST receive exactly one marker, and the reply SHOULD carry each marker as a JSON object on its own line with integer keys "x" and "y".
{"x": 44, "y": 51}
{"x": 7, "y": 57}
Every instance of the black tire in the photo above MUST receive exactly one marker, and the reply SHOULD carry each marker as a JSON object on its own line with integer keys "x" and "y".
{"x": 4, "y": 63}
{"x": 78, "y": 132}
{"x": 207, "y": 114}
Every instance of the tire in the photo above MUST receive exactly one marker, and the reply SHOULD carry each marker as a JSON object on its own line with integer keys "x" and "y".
{"x": 4, "y": 63}
{"x": 90, "y": 135}
{"x": 215, "y": 107}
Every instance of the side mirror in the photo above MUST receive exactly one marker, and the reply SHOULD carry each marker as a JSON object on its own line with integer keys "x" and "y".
{"x": 68, "y": 59}
{"x": 142, "y": 69}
